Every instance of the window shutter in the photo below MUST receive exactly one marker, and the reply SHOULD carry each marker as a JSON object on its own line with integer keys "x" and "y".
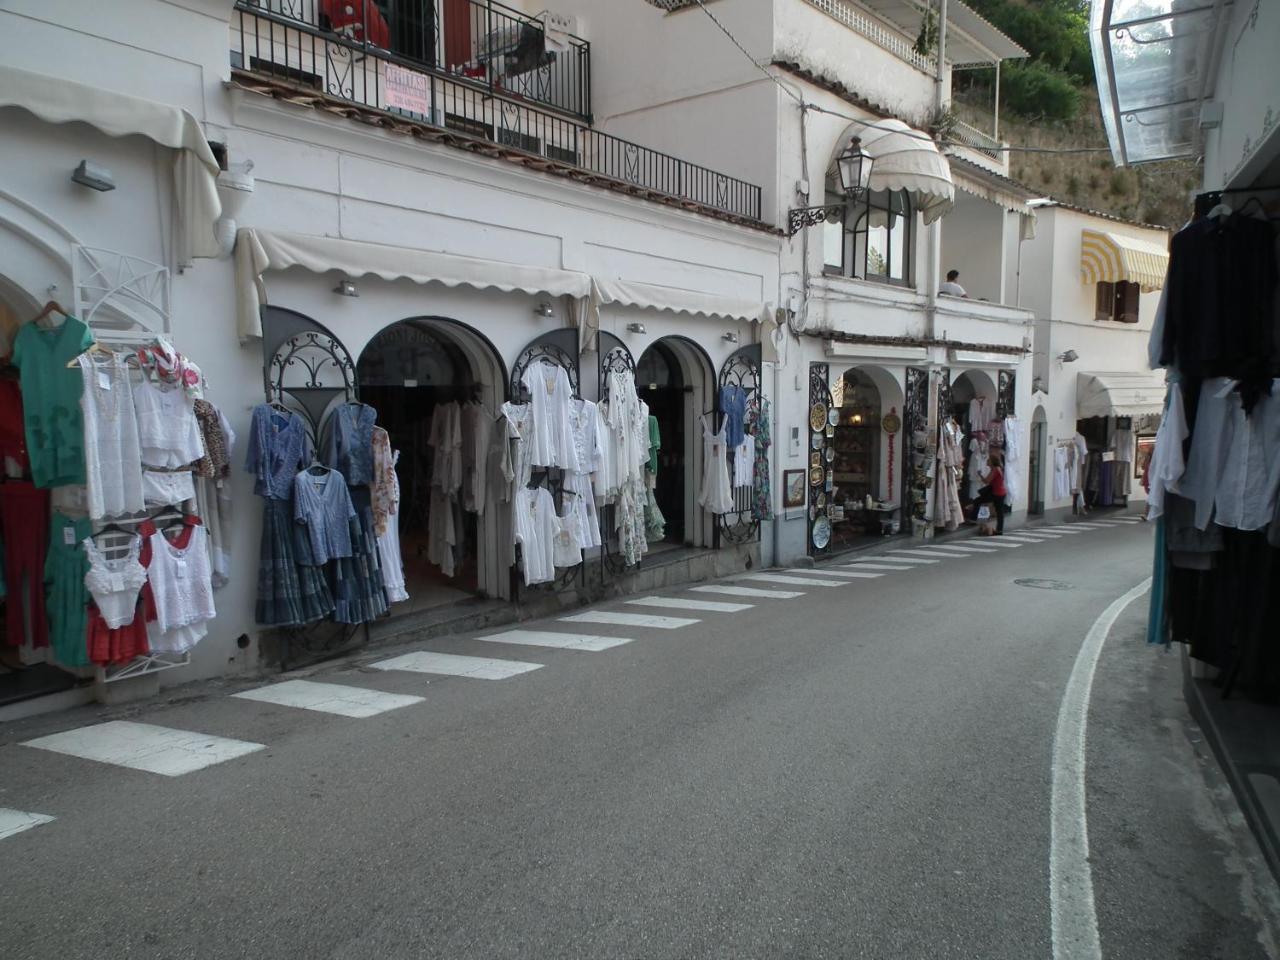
{"x": 1129, "y": 308}
{"x": 1105, "y": 301}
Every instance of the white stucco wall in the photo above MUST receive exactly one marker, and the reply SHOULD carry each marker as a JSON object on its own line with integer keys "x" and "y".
{"x": 1248, "y": 87}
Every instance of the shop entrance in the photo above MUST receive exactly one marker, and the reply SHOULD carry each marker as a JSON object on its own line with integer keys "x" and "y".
{"x": 1035, "y": 490}
{"x": 865, "y": 456}
{"x": 973, "y": 405}
{"x": 433, "y": 381}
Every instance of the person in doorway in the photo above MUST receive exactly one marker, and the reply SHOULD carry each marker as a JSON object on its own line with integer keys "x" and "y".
{"x": 952, "y": 287}
{"x": 994, "y": 491}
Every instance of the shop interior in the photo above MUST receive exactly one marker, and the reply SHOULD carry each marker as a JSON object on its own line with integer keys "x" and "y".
{"x": 971, "y": 392}
{"x": 857, "y": 451}
{"x": 660, "y": 382}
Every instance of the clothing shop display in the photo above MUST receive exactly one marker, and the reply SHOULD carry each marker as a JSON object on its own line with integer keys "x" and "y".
{"x": 279, "y": 446}
{"x": 24, "y": 521}
{"x": 384, "y": 491}
{"x": 167, "y": 427}
{"x": 356, "y": 581}
{"x": 213, "y": 506}
{"x": 744, "y": 459}
{"x": 216, "y": 462}
{"x": 322, "y": 506}
{"x": 1013, "y": 453}
{"x": 715, "y": 494}
{"x": 51, "y": 400}
{"x": 181, "y": 579}
{"x": 115, "y": 584}
{"x": 579, "y": 500}
{"x": 536, "y": 526}
{"x": 108, "y": 646}
{"x": 979, "y": 452}
{"x": 349, "y": 442}
{"x": 1061, "y": 473}
{"x": 762, "y": 504}
{"x": 389, "y": 538}
{"x": 67, "y": 596}
{"x": 13, "y": 433}
{"x": 164, "y": 487}
{"x": 949, "y": 513}
{"x": 733, "y": 405}
{"x": 112, "y": 451}
{"x": 627, "y": 419}
{"x": 549, "y": 397}
{"x": 982, "y": 414}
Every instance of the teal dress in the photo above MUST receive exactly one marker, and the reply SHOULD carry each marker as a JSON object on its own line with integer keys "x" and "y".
{"x": 51, "y": 400}
{"x": 68, "y": 598}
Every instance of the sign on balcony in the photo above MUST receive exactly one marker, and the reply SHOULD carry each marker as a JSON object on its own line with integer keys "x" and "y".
{"x": 408, "y": 90}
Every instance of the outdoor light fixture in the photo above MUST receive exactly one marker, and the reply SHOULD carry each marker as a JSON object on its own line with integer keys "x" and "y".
{"x": 543, "y": 309}
{"x": 854, "y": 169}
{"x": 94, "y": 176}
{"x": 347, "y": 288}
{"x": 635, "y": 327}
{"x": 731, "y": 337}
{"x": 1069, "y": 357}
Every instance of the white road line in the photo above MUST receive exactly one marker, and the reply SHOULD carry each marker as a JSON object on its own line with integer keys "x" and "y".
{"x": 1039, "y": 534}
{"x": 688, "y": 603}
{"x": 868, "y": 565}
{"x": 15, "y": 821}
{"x": 1127, "y": 520}
{"x": 1008, "y": 541}
{"x": 791, "y": 581}
{"x": 1024, "y": 538}
{"x": 845, "y": 574}
{"x": 1072, "y": 912}
{"x": 958, "y": 550}
{"x": 452, "y": 665}
{"x": 1055, "y": 531}
{"x": 356, "y": 702}
{"x": 631, "y": 619}
{"x": 730, "y": 590}
{"x": 144, "y": 746}
{"x": 1084, "y": 526}
{"x": 926, "y": 555}
{"x": 561, "y": 641}
{"x": 911, "y": 560}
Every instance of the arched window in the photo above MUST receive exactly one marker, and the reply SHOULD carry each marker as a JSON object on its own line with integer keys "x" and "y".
{"x": 876, "y": 239}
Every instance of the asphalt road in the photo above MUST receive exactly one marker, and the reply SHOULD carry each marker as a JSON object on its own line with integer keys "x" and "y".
{"x": 864, "y": 770}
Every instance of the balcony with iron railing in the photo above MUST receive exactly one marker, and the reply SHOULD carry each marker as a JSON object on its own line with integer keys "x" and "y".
{"x": 485, "y": 83}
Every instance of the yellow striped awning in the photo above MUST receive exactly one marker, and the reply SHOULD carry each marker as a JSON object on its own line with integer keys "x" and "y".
{"x": 1111, "y": 257}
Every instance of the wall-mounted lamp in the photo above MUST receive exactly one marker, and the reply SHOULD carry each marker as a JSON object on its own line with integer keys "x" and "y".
{"x": 731, "y": 337}
{"x": 635, "y": 327}
{"x": 1070, "y": 356}
{"x": 854, "y": 169}
{"x": 543, "y": 309}
{"x": 347, "y": 288}
{"x": 94, "y": 176}
{"x": 856, "y": 419}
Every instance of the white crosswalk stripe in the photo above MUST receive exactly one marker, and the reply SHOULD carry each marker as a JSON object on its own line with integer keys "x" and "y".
{"x": 144, "y": 746}
{"x": 729, "y": 590}
{"x": 847, "y": 574}
{"x": 1019, "y": 539}
{"x": 1083, "y": 526}
{"x": 901, "y": 559}
{"x": 1007, "y": 541}
{"x": 688, "y": 603}
{"x": 15, "y": 821}
{"x": 453, "y": 665}
{"x": 630, "y": 619}
{"x": 560, "y": 641}
{"x": 790, "y": 581}
{"x": 958, "y": 550}
{"x": 1037, "y": 534}
{"x": 869, "y": 565}
{"x": 336, "y": 698}
{"x": 1055, "y": 531}
{"x": 928, "y": 556}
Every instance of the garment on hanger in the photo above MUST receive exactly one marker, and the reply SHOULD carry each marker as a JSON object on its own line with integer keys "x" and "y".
{"x": 66, "y": 602}
{"x": 167, "y": 428}
{"x": 115, "y": 584}
{"x": 744, "y": 457}
{"x": 181, "y": 578}
{"x": 216, "y": 462}
{"x": 389, "y": 539}
{"x": 733, "y": 404}
{"x": 13, "y": 435}
{"x": 112, "y": 452}
{"x": 279, "y": 446}
{"x": 1062, "y": 472}
{"x": 446, "y": 439}
{"x": 949, "y": 514}
{"x": 566, "y": 549}
{"x": 1079, "y": 456}
{"x": 536, "y": 526}
{"x": 580, "y": 506}
{"x": 322, "y": 507}
{"x": 549, "y": 396}
{"x": 1167, "y": 463}
{"x": 213, "y": 505}
{"x": 1013, "y": 453}
{"x": 384, "y": 491}
{"x": 628, "y": 422}
{"x": 51, "y": 400}
{"x": 162, "y": 363}
{"x": 358, "y": 592}
{"x": 477, "y": 427}
{"x": 24, "y": 517}
{"x": 979, "y": 451}
{"x": 762, "y": 504}
{"x": 715, "y": 494}
{"x": 982, "y": 413}
{"x": 162, "y": 488}
{"x": 348, "y": 445}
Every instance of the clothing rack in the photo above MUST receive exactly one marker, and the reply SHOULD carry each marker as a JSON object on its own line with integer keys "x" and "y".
{"x": 1206, "y": 201}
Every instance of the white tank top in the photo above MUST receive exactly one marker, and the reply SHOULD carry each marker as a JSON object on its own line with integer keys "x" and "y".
{"x": 167, "y": 428}
{"x": 114, "y": 584}
{"x": 181, "y": 580}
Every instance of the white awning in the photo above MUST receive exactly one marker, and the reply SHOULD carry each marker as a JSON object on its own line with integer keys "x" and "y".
{"x": 1119, "y": 394}
{"x": 656, "y": 297}
{"x": 907, "y": 159}
{"x": 57, "y": 100}
{"x": 1111, "y": 257}
{"x": 258, "y": 251}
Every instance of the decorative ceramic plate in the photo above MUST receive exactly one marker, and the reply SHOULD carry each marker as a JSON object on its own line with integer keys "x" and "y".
{"x": 815, "y": 441}
{"x": 833, "y": 416}
{"x": 891, "y": 423}
{"x": 821, "y": 532}
{"x": 815, "y": 459}
{"x": 821, "y": 501}
{"x": 815, "y": 477}
{"x": 831, "y": 431}
{"x": 817, "y": 416}
{"x": 831, "y": 454}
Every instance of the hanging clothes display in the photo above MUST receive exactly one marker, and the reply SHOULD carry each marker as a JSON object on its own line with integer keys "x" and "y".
{"x": 716, "y": 494}
{"x": 67, "y": 599}
{"x": 356, "y": 580}
{"x": 322, "y": 507}
{"x": 13, "y": 435}
{"x": 1013, "y": 454}
{"x": 51, "y": 400}
{"x": 628, "y": 420}
{"x": 24, "y": 512}
{"x": 733, "y": 405}
{"x": 549, "y": 397}
{"x": 982, "y": 414}
{"x": 762, "y": 503}
{"x": 181, "y": 579}
{"x": 168, "y": 431}
{"x": 579, "y": 502}
{"x": 1061, "y": 472}
{"x": 387, "y": 490}
{"x": 112, "y": 452}
{"x": 949, "y": 514}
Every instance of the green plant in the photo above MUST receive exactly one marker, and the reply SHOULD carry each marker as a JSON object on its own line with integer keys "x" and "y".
{"x": 1119, "y": 184}
{"x": 1038, "y": 91}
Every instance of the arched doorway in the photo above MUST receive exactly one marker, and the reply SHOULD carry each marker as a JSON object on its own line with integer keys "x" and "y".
{"x": 1036, "y": 463}
{"x": 866, "y": 456}
{"x": 422, "y": 374}
{"x": 674, "y": 377}
{"x": 973, "y": 405}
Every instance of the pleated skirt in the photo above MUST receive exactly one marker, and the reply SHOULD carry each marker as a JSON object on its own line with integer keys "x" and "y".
{"x": 290, "y": 592}
{"x": 356, "y": 581}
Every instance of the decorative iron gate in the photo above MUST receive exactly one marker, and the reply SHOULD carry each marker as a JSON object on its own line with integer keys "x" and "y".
{"x": 741, "y": 370}
{"x": 1006, "y": 400}
{"x": 305, "y": 366}
{"x": 915, "y": 420}
{"x": 820, "y": 476}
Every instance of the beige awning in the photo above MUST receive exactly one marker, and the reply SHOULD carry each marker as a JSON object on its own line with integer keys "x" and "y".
{"x": 258, "y": 251}
{"x": 1111, "y": 257}
{"x": 1119, "y": 394}
{"x": 57, "y": 100}
{"x": 907, "y": 159}
{"x": 678, "y": 300}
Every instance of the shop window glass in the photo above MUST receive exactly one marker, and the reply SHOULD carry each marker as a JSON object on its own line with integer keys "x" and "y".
{"x": 1117, "y": 301}
{"x": 877, "y": 239}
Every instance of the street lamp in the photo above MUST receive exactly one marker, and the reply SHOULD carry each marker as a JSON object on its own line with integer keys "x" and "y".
{"x": 854, "y": 169}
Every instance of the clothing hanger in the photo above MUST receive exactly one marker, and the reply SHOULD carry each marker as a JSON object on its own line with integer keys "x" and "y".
{"x": 113, "y": 528}
{"x": 94, "y": 349}
{"x": 50, "y": 308}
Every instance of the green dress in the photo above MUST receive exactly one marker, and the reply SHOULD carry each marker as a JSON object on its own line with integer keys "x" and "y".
{"x": 67, "y": 599}
{"x": 51, "y": 400}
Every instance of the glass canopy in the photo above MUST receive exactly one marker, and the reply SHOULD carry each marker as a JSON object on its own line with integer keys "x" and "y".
{"x": 1155, "y": 62}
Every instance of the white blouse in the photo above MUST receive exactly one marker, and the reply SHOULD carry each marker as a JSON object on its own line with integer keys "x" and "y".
{"x": 549, "y": 396}
{"x": 167, "y": 426}
{"x": 112, "y": 455}
{"x": 181, "y": 580}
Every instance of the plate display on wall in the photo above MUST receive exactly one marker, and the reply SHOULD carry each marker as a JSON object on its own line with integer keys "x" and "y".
{"x": 820, "y": 533}
{"x": 815, "y": 441}
{"x": 815, "y": 477}
{"x": 821, "y": 501}
{"x": 817, "y": 416}
{"x": 831, "y": 431}
{"x": 833, "y": 417}
{"x": 815, "y": 459}
{"x": 830, "y": 454}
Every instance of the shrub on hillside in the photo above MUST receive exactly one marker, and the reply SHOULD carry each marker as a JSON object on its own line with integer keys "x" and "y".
{"x": 1036, "y": 90}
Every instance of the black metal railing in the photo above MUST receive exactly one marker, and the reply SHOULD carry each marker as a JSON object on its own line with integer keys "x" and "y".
{"x": 355, "y": 61}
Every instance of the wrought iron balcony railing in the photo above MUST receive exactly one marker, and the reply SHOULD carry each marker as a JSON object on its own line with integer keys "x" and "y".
{"x": 361, "y": 68}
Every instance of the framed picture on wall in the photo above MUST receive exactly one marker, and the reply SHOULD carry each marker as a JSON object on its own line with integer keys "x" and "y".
{"x": 1146, "y": 447}
{"x": 793, "y": 488}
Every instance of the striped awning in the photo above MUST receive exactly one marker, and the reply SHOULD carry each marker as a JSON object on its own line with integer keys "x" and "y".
{"x": 1111, "y": 257}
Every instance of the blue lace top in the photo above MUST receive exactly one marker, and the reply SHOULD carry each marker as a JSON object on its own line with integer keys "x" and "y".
{"x": 733, "y": 403}
{"x": 348, "y": 448}
{"x": 279, "y": 446}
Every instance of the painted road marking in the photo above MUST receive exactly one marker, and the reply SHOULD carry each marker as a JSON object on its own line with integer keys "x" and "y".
{"x": 928, "y": 555}
{"x": 562, "y": 641}
{"x": 630, "y": 619}
{"x": 730, "y": 590}
{"x": 356, "y": 702}
{"x": 790, "y": 581}
{"x": 1055, "y": 531}
{"x": 870, "y": 565}
{"x": 1024, "y": 538}
{"x": 15, "y": 821}
{"x": 1008, "y": 541}
{"x": 1081, "y": 525}
{"x": 956, "y": 549}
{"x": 911, "y": 560}
{"x": 144, "y": 746}
{"x": 1072, "y": 912}
{"x": 848, "y": 574}
{"x": 688, "y": 603}
{"x": 452, "y": 665}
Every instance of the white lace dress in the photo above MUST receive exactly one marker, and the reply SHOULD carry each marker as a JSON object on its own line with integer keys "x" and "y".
{"x": 112, "y": 455}
{"x": 716, "y": 494}
{"x": 550, "y": 394}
